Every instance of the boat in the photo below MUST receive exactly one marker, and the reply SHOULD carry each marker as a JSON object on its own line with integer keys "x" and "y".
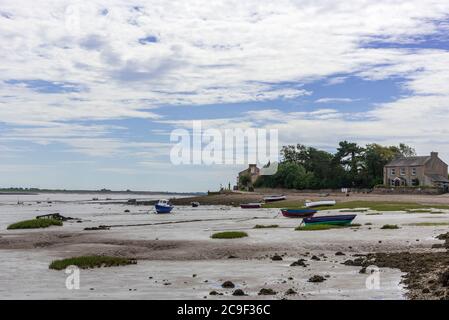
{"x": 195, "y": 204}
{"x": 340, "y": 220}
{"x": 297, "y": 213}
{"x": 163, "y": 206}
{"x": 311, "y": 204}
{"x": 251, "y": 205}
{"x": 274, "y": 198}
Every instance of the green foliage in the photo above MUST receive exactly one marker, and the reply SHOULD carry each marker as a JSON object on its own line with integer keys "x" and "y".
{"x": 229, "y": 235}
{"x": 245, "y": 180}
{"x": 35, "y": 224}
{"x": 87, "y": 262}
{"x": 352, "y": 165}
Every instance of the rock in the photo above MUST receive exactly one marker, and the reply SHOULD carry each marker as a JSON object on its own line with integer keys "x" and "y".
{"x": 444, "y": 278}
{"x": 300, "y": 263}
{"x": 363, "y": 270}
{"x": 315, "y": 258}
{"x": 290, "y": 292}
{"x": 194, "y": 275}
{"x": 339, "y": 253}
{"x": 213, "y": 293}
{"x": 317, "y": 278}
{"x": 276, "y": 258}
{"x": 238, "y": 292}
{"x": 266, "y": 292}
{"x": 425, "y": 290}
{"x": 228, "y": 284}
{"x": 232, "y": 257}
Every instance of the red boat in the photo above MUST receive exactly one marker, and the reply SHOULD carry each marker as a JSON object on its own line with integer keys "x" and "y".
{"x": 297, "y": 213}
{"x": 251, "y": 205}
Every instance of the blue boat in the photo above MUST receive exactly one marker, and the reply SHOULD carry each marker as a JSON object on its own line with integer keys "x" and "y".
{"x": 340, "y": 220}
{"x": 297, "y": 213}
{"x": 163, "y": 206}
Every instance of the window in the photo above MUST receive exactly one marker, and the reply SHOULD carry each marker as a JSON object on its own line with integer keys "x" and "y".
{"x": 413, "y": 171}
{"x": 402, "y": 171}
{"x": 393, "y": 171}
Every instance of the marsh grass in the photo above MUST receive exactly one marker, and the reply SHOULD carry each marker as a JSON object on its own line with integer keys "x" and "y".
{"x": 261, "y": 226}
{"x": 229, "y": 235}
{"x": 428, "y": 224}
{"x": 390, "y": 226}
{"x": 359, "y": 206}
{"x": 35, "y": 224}
{"x": 88, "y": 262}
{"x": 319, "y": 227}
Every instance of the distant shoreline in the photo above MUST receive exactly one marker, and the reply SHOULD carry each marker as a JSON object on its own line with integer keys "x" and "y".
{"x": 35, "y": 192}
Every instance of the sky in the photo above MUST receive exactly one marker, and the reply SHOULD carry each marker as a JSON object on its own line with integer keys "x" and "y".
{"x": 90, "y": 91}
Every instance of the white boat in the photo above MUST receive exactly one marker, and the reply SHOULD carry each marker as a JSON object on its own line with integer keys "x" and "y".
{"x": 311, "y": 204}
{"x": 274, "y": 198}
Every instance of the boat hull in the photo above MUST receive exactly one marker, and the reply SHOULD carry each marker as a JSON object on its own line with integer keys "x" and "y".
{"x": 320, "y": 203}
{"x": 251, "y": 206}
{"x": 340, "y": 220}
{"x": 163, "y": 209}
{"x": 297, "y": 213}
{"x": 274, "y": 198}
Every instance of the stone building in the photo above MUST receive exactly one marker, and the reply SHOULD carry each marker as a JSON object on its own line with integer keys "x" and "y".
{"x": 417, "y": 171}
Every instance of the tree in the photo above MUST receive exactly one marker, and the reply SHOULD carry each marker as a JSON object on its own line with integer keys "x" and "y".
{"x": 244, "y": 180}
{"x": 406, "y": 151}
{"x": 349, "y": 155}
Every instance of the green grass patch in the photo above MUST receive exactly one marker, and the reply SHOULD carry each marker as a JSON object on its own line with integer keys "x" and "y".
{"x": 35, "y": 224}
{"x": 288, "y": 204}
{"x": 229, "y": 235}
{"x": 390, "y": 226}
{"x": 318, "y": 227}
{"x": 261, "y": 226}
{"x": 383, "y": 206}
{"x": 419, "y": 211}
{"x": 88, "y": 262}
{"x": 374, "y": 214}
{"x": 359, "y": 206}
{"x": 428, "y": 224}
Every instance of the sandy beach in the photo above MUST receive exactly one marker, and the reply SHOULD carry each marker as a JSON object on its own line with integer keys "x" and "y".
{"x": 177, "y": 259}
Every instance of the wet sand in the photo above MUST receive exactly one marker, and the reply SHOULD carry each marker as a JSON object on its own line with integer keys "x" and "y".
{"x": 177, "y": 259}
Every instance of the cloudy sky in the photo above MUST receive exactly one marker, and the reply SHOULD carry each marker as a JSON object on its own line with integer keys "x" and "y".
{"x": 90, "y": 90}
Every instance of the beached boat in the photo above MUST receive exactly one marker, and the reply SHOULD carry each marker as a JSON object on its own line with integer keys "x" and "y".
{"x": 251, "y": 205}
{"x": 312, "y": 204}
{"x": 297, "y": 213}
{"x": 274, "y": 198}
{"x": 340, "y": 220}
{"x": 195, "y": 204}
{"x": 163, "y": 206}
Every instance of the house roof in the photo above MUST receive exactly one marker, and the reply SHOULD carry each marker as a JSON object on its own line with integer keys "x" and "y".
{"x": 438, "y": 178}
{"x": 409, "y": 161}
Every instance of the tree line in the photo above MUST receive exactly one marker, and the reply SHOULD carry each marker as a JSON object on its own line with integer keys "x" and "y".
{"x": 351, "y": 166}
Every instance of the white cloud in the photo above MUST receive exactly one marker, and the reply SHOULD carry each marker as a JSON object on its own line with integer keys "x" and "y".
{"x": 335, "y": 100}
{"x": 210, "y": 52}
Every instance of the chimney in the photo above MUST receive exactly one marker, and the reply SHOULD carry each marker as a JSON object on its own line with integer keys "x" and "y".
{"x": 434, "y": 154}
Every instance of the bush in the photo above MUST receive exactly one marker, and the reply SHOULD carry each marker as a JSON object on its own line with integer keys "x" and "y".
{"x": 35, "y": 224}
{"x": 229, "y": 235}
{"x": 87, "y": 262}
